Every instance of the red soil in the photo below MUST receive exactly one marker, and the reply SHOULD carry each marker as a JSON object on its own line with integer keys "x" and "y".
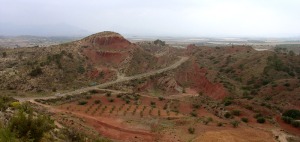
{"x": 287, "y": 127}
{"x": 111, "y": 123}
{"x": 104, "y": 73}
{"x": 195, "y": 77}
{"x": 103, "y": 57}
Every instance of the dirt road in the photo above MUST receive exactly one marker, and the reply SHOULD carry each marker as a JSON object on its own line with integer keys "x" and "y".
{"x": 107, "y": 84}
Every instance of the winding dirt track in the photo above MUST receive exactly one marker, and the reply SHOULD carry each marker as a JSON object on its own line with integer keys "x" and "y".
{"x": 138, "y": 76}
{"x": 107, "y": 84}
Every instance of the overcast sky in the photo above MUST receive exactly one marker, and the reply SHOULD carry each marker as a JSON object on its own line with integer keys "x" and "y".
{"x": 199, "y": 18}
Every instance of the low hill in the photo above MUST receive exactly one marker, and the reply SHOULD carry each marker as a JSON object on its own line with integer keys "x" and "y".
{"x": 98, "y": 58}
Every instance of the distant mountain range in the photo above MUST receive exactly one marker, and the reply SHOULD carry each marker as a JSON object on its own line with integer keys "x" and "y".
{"x": 41, "y": 30}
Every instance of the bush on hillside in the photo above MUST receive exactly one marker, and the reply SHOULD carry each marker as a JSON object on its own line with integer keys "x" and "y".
{"x": 292, "y": 113}
{"x": 245, "y": 119}
{"x": 261, "y": 120}
{"x": 82, "y": 102}
{"x": 191, "y": 130}
{"x": 35, "y": 72}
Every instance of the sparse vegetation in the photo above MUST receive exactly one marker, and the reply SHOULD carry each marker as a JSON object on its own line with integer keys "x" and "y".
{"x": 159, "y": 42}
{"x": 220, "y": 124}
{"x": 93, "y": 91}
{"x": 97, "y": 101}
{"x": 235, "y": 123}
{"x": 292, "y": 113}
{"x": 227, "y": 101}
{"x": 153, "y": 104}
{"x": 36, "y": 72}
{"x": 233, "y": 82}
{"x": 227, "y": 115}
{"x": 161, "y": 98}
{"x": 82, "y": 102}
{"x": 191, "y": 130}
{"x": 291, "y": 116}
{"x": 111, "y": 100}
{"x": 261, "y": 120}
{"x": 4, "y": 54}
{"x": 236, "y": 112}
{"x": 108, "y": 94}
{"x": 194, "y": 113}
{"x": 245, "y": 119}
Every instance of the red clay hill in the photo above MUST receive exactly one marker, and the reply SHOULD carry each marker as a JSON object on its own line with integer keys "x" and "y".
{"x": 106, "y": 49}
{"x": 110, "y": 50}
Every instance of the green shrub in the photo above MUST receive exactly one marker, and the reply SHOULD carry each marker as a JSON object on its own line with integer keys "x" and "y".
{"x": 287, "y": 119}
{"x": 81, "y": 69}
{"x": 4, "y": 54}
{"x": 261, "y": 120}
{"x": 235, "y": 123}
{"x": 111, "y": 100}
{"x": 258, "y": 115}
{"x": 15, "y": 104}
{"x": 295, "y": 123}
{"x": 227, "y": 115}
{"x": 82, "y": 102}
{"x": 227, "y": 102}
{"x": 249, "y": 107}
{"x": 93, "y": 91}
{"x": 97, "y": 101}
{"x": 287, "y": 84}
{"x": 245, "y": 120}
{"x": 160, "y": 42}
{"x": 29, "y": 127}
{"x": 207, "y": 120}
{"x": 108, "y": 94}
{"x": 196, "y": 105}
{"x": 292, "y": 113}
{"x": 153, "y": 104}
{"x": 35, "y": 72}
{"x": 161, "y": 98}
{"x": 191, "y": 130}
{"x": 194, "y": 114}
{"x": 236, "y": 112}
{"x": 220, "y": 124}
